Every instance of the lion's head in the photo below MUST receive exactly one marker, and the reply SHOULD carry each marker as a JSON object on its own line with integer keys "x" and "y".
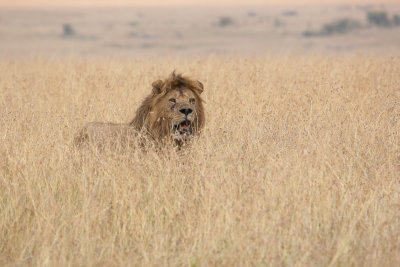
{"x": 173, "y": 108}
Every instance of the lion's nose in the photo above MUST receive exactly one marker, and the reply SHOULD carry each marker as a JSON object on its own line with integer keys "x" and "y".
{"x": 185, "y": 111}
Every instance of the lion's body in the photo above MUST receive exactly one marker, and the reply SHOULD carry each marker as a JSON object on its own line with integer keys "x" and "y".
{"x": 157, "y": 116}
{"x": 106, "y": 134}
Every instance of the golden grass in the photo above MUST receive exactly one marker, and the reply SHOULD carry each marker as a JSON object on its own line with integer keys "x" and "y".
{"x": 299, "y": 164}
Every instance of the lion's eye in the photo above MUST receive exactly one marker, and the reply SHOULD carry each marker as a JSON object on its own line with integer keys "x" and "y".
{"x": 172, "y": 100}
{"x": 192, "y": 100}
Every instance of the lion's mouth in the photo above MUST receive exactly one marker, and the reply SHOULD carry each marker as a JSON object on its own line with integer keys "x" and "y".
{"x": 184, "y": 127}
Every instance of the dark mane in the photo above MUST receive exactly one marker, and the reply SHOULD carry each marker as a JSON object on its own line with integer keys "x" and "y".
{"x": 159, "y": 128}
{"x": 178, "y": 80}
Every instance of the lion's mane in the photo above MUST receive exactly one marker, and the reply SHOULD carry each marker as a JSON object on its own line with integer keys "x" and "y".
{"x": 157, "y": 126}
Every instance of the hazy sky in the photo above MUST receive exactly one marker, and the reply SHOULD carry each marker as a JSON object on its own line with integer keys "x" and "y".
{"x": 49, "y": 3}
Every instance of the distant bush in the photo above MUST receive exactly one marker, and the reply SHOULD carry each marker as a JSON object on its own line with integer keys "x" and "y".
{"x": 225, "y": 21}
{"x": 251, "y": 14}
{"x": 290, "y": 13}
{"x": 381, "y": 19}
{"x": 396, "y": 20}
{"x": 309, "y": 33}
{"x": 68, "y": 30}
{"x": 378, "y": 18}
{"x": 341, "y": 26}
{"x": 134, "y": 23}
{"x": 278, "y": 23}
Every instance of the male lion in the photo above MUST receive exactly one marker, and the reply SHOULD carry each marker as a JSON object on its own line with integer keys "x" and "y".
{"x": 173, "y": 109}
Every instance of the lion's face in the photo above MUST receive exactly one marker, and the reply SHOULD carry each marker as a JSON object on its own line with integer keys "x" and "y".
{"x": 180, "y": 110}
{"x": 177, "y": 110}
{"x": 174, "y": 108}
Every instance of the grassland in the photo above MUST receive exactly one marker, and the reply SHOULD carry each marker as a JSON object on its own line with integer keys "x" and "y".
{"x": 298, "y": 165}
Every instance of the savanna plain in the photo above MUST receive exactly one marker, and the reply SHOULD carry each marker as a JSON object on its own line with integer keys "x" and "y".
{"x": 298, "y": 164}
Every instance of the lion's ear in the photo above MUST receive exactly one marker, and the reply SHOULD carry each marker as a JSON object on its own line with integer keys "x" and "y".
{"x": 157, "y": 86}
{"x": 200, "y": 87}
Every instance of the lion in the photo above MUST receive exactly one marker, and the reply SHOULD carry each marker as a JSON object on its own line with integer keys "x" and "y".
{"x": 172, "y": 111}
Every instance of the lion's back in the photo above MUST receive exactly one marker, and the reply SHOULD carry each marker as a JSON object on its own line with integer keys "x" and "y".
{"x": 105, "y": 132}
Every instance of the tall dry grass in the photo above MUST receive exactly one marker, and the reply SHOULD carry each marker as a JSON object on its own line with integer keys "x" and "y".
{"x": 299, "y": 165}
